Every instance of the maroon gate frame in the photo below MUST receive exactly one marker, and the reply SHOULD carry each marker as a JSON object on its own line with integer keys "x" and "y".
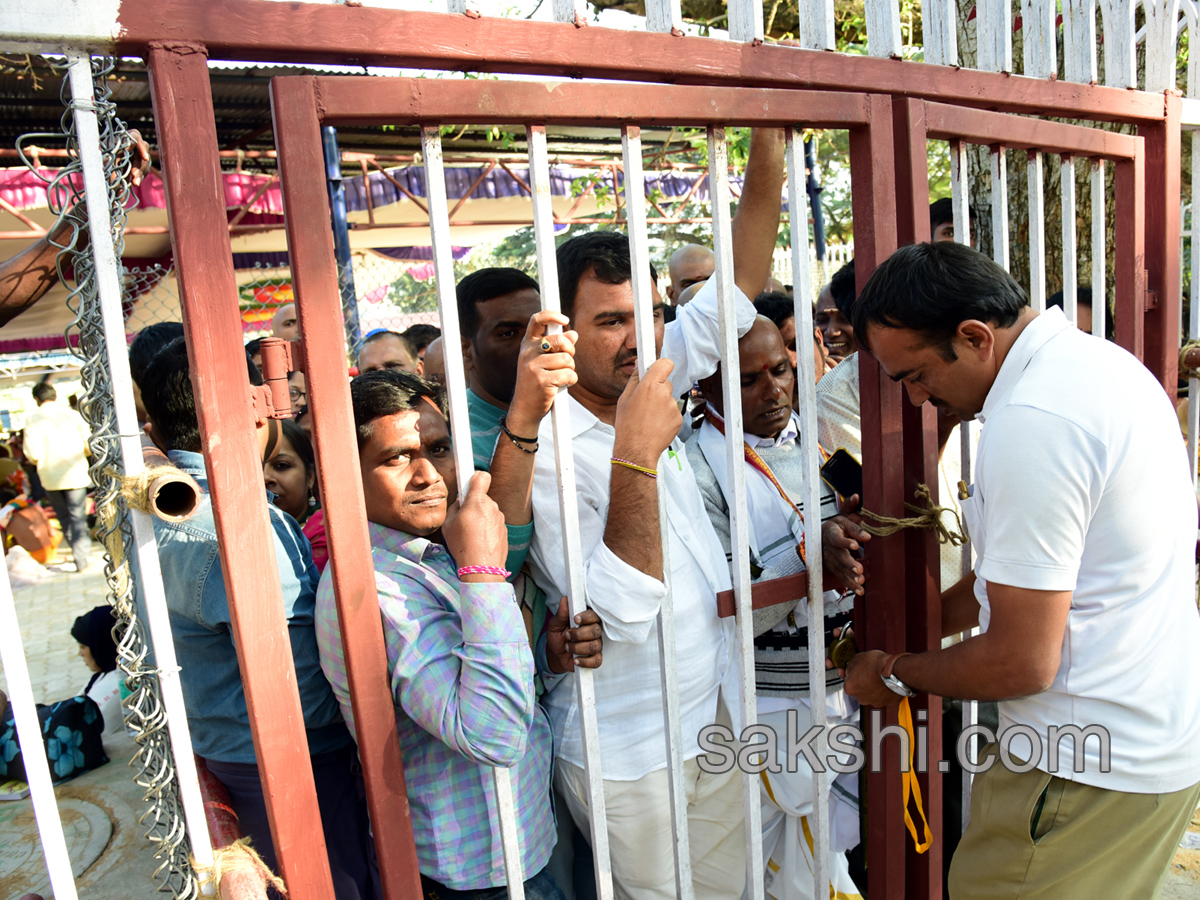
{"x": 888, "y": 168}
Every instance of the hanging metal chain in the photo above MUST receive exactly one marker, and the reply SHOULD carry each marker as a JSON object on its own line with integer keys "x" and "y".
{"x": 144, "y": 711}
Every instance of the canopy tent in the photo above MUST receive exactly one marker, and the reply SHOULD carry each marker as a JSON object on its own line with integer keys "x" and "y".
{"x": 490, "y": 201}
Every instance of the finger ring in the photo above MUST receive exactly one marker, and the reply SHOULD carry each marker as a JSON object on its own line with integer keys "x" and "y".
{"x": 546, "y": 346}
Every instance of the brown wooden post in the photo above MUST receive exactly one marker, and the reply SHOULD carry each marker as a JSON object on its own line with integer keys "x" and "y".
{"x": 1162, "y": 244}
{"x": 1129, "y": 283}
{"x": 922, "y": 564}
{"x": 319, "y": 305}
{"x": 879, "y": 617}
{"x": 187, "y": 139}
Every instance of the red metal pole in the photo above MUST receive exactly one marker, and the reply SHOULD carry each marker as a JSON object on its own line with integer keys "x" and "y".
{"x": 922, "y": 565}
{"x": 319, "y": 306}
{"x": 1162, "y": 244}
{"x": 187, "y": 136}
{"x": 1129, "y": 284}
{"x": 879, "y": 617}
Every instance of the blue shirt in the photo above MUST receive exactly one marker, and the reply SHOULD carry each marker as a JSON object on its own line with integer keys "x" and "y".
{"x": 461, "y": 675}
{"x": 204, "y": 644}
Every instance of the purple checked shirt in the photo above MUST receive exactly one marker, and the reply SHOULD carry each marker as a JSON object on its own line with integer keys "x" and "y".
{"x": 461, "y": 674}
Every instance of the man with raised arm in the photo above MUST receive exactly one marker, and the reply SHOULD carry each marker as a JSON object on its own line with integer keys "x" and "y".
{"x": 1083, "y": 518}
{"x": 460, "y": 665}
{"x": 624, "y": 439}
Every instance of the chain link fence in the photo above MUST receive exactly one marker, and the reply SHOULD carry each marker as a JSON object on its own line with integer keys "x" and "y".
{"x": 145, "y": 716}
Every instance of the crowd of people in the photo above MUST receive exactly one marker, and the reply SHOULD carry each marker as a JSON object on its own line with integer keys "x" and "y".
{"x": 1083, "y": 574}
{"x": 472, "y": 587}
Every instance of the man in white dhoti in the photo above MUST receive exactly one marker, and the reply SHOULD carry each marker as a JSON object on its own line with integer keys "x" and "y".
{"x": 775, "y": 487}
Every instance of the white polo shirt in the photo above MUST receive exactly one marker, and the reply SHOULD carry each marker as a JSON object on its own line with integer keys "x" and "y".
{"x": 1082, "y": 485}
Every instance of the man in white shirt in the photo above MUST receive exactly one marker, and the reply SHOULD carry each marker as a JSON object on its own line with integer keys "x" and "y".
{"x": 623, "y": 430}
{"x": 1084, "y": 519}
{"x": 56, "y": 442}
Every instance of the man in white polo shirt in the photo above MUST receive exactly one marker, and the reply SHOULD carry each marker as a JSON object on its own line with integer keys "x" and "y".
{"x": 1084, "y": 519}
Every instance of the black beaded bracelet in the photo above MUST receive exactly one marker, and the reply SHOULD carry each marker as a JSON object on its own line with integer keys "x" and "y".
{"x": 517, "y": 441}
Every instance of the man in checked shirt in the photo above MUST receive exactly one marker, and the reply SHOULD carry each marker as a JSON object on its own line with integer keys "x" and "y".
{"x": 459, "y": 661}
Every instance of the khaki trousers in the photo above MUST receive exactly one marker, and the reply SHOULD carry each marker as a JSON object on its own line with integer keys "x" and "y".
{"x": 640, "y": 840}
{"x": 1085, "y": 843}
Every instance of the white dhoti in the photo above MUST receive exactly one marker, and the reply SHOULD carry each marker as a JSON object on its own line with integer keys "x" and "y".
{"x": 787, "y": 804}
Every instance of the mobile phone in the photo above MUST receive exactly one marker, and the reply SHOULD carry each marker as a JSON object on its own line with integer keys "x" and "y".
{"x": 843, "y": 473}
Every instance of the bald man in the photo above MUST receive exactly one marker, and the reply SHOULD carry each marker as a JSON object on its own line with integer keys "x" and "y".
{"x": 284, "y": 323}
{"x": 690, "y": 264}
{"x": 435, "y": 362}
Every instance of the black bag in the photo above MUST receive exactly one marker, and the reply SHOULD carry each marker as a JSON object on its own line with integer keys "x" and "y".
{"x": 71, "y": 732}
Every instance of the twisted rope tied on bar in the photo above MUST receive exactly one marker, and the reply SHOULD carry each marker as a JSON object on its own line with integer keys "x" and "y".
{"x": 929, "y": 515}
{"x": 239, "y": 873}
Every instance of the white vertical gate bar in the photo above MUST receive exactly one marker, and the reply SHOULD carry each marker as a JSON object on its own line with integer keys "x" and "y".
{"x": 1037, "y": 231}
{"x": 568, "y": 509}
{"x": 1070, "y": 262}
{"x": 883, "y": 28}
{"x": 970, "y": 708}
{"x": 1040, "y": 37}
{"x": 959, "y": 185}
{"x": 1099, "y": 253}
{"x": 960, "y": 192}
{"x": 817, "y": 25}
{"x": 1193, "y": 407}
{"x": 1079, "y": 40}
{"x": 798, "y": 217}
{"x": 668, "y": 649}
{"x": 941, "y": 32}
{"x": 802, "y": 286}
{"x": 745, "y": 20}
{"x": 29, "y": 734}
{"x": 994, "y": 35}
{"x": 1161, "y": 28}
{"x": 731, "y": 388}
{"x": 665, "y": 16}
{"x": 460, "y": 431}
{"x": 573, "y": 11}
{"x": 1000, "y": 207}
{"x": 1120, "y": 52}
{"x": 108, "y": 283}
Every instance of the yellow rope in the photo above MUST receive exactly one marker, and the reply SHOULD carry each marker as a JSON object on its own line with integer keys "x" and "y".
{"x": 930, "y": 516}
{"x": 1186, "y": 371}
{"x": 233, "y": 859}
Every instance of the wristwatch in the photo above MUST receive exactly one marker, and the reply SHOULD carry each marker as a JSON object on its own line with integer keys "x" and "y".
{"x": 893, "y": 683}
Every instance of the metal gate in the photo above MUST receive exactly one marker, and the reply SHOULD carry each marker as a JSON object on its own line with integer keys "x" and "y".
{"x": 895, "y": 106}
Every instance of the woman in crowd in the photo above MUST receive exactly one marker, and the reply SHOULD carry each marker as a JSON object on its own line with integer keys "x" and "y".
{"x": 73, "y": 729}
{"x": 291, "y": 475}
{"x": 93, "y": 632}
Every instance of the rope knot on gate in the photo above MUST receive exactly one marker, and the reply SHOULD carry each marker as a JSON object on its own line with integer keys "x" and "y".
{"x": 242, "y": 870}
{"x": 929, "y": 515}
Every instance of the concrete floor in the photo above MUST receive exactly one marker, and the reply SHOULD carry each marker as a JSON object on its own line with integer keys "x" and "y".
{"x": 100, "y": 809}
{"x": 110, "y": 856}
